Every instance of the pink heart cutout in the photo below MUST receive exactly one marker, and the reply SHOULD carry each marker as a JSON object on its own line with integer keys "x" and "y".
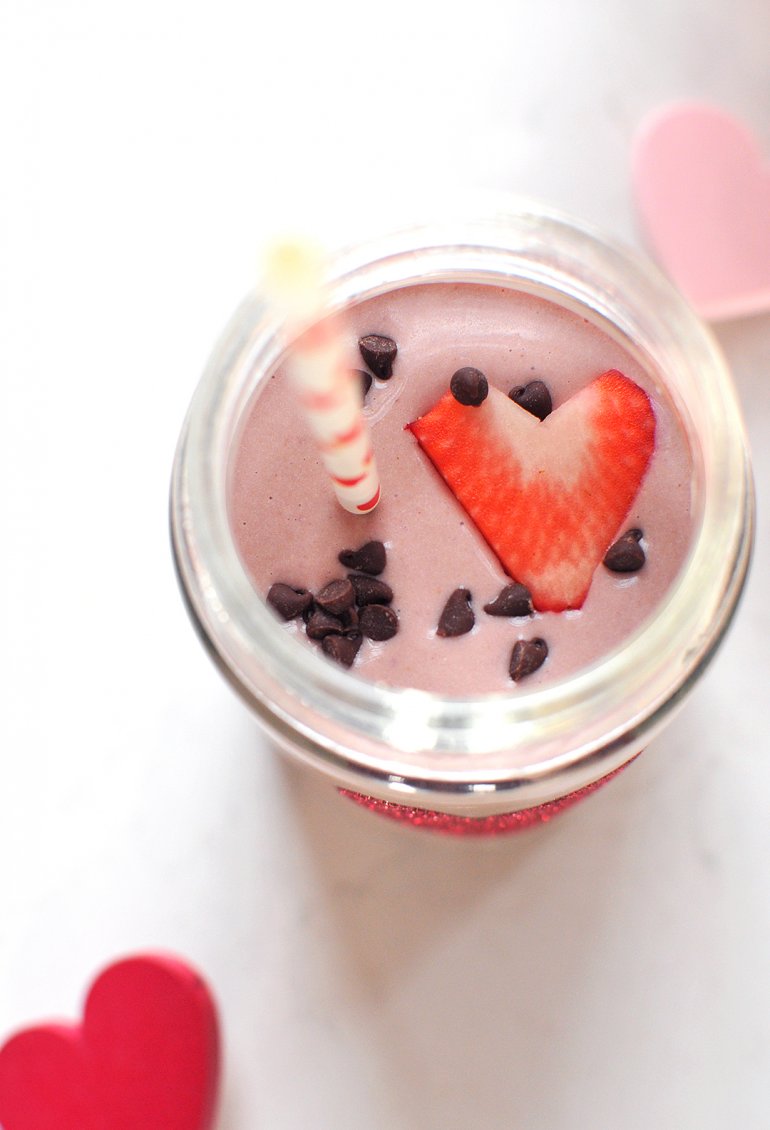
{"x": 145, "y": 1055}
{"x": 702, "y": 189}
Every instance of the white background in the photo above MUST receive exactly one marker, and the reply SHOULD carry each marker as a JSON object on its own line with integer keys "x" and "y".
{"x": 610, "y": 970}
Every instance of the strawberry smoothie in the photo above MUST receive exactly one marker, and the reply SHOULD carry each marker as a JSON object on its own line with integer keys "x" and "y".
{"x": 439, "y": 491}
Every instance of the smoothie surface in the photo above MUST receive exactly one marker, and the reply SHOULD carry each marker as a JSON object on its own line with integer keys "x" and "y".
{"x": 289, "y": 528}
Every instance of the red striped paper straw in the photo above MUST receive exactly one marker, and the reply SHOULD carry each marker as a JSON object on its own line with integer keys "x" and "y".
{"x": 328, "y": 392}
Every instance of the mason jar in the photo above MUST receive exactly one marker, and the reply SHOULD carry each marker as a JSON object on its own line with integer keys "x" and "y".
{"x": 498, "y": 761}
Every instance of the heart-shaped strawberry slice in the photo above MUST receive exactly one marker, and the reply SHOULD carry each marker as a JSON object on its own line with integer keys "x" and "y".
{"x": 146, "y": 1055}
{"x": 548, "y": 496}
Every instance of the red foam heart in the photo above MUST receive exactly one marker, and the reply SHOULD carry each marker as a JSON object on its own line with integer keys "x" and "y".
{"x": 702, "y": 188}
{"x": 146, "y": 1057}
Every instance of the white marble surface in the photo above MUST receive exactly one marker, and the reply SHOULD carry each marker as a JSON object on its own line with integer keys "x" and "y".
{"x": 610, "y": 970}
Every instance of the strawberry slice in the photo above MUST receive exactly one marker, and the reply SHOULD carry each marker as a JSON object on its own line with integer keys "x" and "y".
{"x": 549, "y": 496}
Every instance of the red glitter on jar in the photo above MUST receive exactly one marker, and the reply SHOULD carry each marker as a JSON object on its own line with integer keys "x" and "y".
{"x": 500, "y": 823}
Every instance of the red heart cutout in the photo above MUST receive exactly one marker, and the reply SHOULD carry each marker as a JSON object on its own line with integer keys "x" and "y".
{"x": 145, "y": 1057}
{"x": 702, "y": 188}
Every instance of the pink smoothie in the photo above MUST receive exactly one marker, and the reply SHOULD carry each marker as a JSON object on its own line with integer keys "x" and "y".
{"x": 289, "y": 527}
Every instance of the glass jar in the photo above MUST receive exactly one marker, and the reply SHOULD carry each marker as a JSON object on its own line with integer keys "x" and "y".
{"x": 469, "y": 760}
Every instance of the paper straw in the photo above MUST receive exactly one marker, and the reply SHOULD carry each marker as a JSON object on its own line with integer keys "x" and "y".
{"x": 327, "y": 390}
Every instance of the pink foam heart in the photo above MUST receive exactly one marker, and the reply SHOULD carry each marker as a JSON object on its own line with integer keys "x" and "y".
{"x": 145, "y": 1055}
{"x": 702, "y": 188}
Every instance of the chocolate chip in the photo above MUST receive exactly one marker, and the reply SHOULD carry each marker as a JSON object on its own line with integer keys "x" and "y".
{"x": 457, "y": 617}
{"x": 322, "y": 624}
{"x": 526, "y": 657}
{"x": 369, "y": 590}
{"x": 513, "y": 600}
{"x": 337, "y": 596}
{"x": 288, "y": 602}
{"x": 350, "y": 619}
{"x": 343, "y": 649}
{"x": 364, "y": 379}
{"x": 469, "y": 386}
{"x": 369, "y": 558}
{"x": 626, "y": 554}
{"x": 379, "y": 354}
{"x": 535, "y": 397}
{"x": 378, "y": 622}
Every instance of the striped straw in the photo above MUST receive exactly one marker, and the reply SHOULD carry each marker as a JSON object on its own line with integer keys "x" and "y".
{"x": 327, "y": 390}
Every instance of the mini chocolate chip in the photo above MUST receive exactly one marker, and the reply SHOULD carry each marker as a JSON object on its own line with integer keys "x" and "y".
{"x": 457, "y": 617}
{"x": 379, "y": 353}
{"x": 365, "y": 380}
{"x": 350, "y": 619}
{"x": 513, "y": 600}
{"x": 322, "y": 624}
{"x": 626, "y": 555}
{"x": 469, "y": 386}
{"x": 288, "y": 602}
{"x": 378, "y": 622}
{"x": 369, "y": 558}
{"x": 535, "y": 397}
{"x": 369, "y": 590}
{"x": 343, "y": 649}
{"x": 336, "y": 596}
{"x": 526, "y": 657}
